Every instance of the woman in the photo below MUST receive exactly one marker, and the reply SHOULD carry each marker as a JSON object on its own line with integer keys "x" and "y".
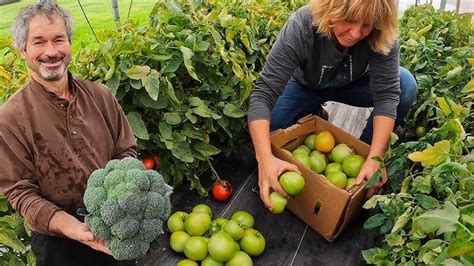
{"x": 331, "y": 50}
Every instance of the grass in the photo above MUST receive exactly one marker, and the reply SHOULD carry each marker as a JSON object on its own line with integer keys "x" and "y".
{"x": 99, "y": 13}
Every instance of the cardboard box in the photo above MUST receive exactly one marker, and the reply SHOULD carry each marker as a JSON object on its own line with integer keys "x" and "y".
{"x": 323, "y": 206}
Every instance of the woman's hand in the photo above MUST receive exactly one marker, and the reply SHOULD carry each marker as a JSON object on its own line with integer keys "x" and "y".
{"x": 269, "y": 170}
{"x": 366, "y": 172}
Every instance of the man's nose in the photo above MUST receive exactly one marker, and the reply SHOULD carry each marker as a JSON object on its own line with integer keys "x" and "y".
{"x": 50, "y": 49}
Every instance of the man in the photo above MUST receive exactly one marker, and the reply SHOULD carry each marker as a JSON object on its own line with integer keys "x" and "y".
{"x": 54, "y": 132}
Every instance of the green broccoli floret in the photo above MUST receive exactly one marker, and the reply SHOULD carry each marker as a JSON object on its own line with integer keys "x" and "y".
{"x": 98, "y": 227}
{"x": 127, "y": 205}
{"x": 94, "y": 198}
{"x": 127, "y": 249}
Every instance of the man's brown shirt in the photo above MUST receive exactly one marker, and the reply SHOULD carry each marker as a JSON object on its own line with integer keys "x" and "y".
{"x": 49, "y": 146}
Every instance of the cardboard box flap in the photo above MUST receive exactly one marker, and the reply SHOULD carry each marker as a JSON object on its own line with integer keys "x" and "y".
{"x": 352, "y": 211}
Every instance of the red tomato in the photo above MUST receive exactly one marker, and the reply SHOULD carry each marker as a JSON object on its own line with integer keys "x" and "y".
{"x": 149, "y": 162}
{"x": 221, "y": 190}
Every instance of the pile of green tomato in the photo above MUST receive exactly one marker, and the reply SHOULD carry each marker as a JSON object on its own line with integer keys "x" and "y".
{"x": 220, "y": 241}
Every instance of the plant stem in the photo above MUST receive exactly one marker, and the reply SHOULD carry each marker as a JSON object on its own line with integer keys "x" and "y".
{"x": 213, "y": 170}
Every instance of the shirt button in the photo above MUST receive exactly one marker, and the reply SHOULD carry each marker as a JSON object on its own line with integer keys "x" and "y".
{"x": 70, "y": 117}
{"x": 74, "y": 132}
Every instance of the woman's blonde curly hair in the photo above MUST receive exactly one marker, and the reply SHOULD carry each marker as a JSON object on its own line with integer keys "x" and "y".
{"x": 381, "y": 14}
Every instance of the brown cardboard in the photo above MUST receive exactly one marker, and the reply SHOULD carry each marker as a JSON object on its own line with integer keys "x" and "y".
{"x": 337, "y": 207}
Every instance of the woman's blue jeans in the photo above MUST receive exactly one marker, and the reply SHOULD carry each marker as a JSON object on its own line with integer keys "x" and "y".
{"x": 298, "y": 101}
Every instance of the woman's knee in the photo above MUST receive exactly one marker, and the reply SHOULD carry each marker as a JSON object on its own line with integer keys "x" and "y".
{"x": 408, "y": 87}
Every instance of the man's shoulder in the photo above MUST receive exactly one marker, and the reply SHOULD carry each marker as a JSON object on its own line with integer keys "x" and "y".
{"x": 16, "y": 104}
{"x": 92, "y": 87}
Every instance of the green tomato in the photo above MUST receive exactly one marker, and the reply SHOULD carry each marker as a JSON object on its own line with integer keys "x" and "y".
{"x": 240, "y": 259}
{"x": 221, "y": 247}
{"x": 234, "y": 230}
{"x": 303, "y": 158}
{"x": 187, "y": 262}
{"x": 252, "y": 243}
{"x": 339, "y": 179}
{"x": 197, "y": 223}
{"x": 309, "y": 141}
{"x": 196, "y": 248}
{"x": 176, "y": 221}
{"x": 352, "y": 165}
{"x": 208, "y": 261}
{"x": 278, "y": 202}
{"x": 203, "y": 208}
{"x": 350, "y": 182}
{"x": 292, "y": 183}
{"x": 318, "y": 163}
{"x": 244, "y": 219}
{"x": 340, "y": 152}
{"x": 217, "y": 225}
{"x": 420, "y": 131}
{"x": 333, "y": 167}
{"x": 178, "y": 240}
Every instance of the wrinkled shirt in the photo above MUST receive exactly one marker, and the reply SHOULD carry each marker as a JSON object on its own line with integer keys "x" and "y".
{"x": 49, "y": 146}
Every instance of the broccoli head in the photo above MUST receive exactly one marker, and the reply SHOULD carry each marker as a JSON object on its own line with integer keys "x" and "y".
{"x": 127, "y": 205}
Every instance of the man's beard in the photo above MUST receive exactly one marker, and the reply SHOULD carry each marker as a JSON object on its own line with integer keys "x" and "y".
{"x": 53, "y": 74}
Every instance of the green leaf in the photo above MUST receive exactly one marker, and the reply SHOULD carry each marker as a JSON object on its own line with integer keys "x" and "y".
{"x": 113, "y": 84}
{"x": 152, "y": 84}
{"x": 432, "y": 155}
{"x": 402, "y": 220}
{"x": 3, "y": 204}
{"x": 206, "y": 149}
{"x": 372, "y": 202}
{"x": 192, "y": 118}
{"x": 195, "y": 101}
{"x": 233, "y": 111}
{"x": 460, "y": 247}
{"x": 172, "y": 118}
{"x": 8, "y": 238}
{"x": 374, "y": 255}
{"x": 196, "y": 184}
{"x": 374, "y": 179}
{"x": 202, "y": 110}
{"x": 421, "y": 184}
{"x": 454, "y": 73}
{"x": 427, "y": 202}
{"x": 449, "y": 167}
{"x": 375, "y": 221}
{"x": 138, "y": 126}
{"x": 201, "y": 46}
{"x": 469, "y": 219}
{"x": 172, "y": 66}
{"x": 138, "y": 72}
{"x": 188, "y": 63}
{"x": 165, "y": 130}
{"x": 183, "y": 152}
{"x": 442, "y": 220}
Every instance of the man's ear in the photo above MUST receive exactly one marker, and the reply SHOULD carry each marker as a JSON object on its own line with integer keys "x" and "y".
{"x": 23, "y": 53}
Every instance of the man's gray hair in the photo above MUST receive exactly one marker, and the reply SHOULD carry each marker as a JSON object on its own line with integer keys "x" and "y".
{"x": 47, "y": 8}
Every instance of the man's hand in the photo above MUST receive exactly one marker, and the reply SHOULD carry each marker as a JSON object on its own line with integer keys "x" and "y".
{"x": 269, "y": 169}
{"x": 84, "y": 235}
{"x": 65, "y": 224}
{"x": 366, "y": 172}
